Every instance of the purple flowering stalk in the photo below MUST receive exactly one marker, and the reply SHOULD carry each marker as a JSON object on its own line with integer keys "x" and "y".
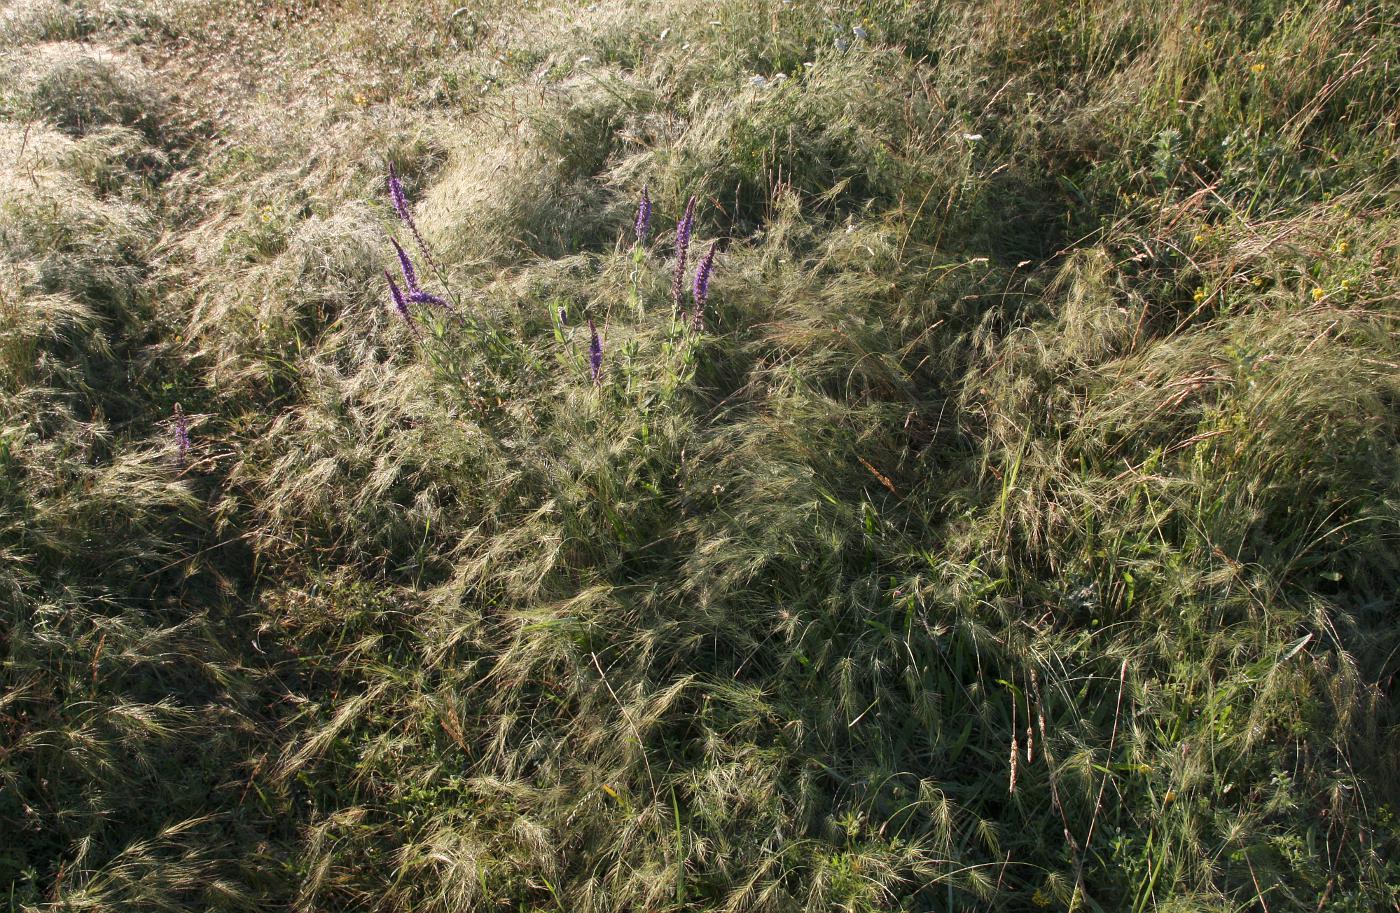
{"x": 418, "y": 296}
{"x": 400, "y": 304}
{"x": 683, "y": 228}
{"x": 595, "y": 352}
{"x": 397, "y": 196}
{"x": 182, "y": 434}
{"x": 400, "y": 202}
{"x": 643, "y": 217}
{"x": 410, "y": 275}
{"x": 702, "y": 287}
{"x": 415, "y": 293}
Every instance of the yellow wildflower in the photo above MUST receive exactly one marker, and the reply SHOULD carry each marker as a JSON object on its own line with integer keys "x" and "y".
{"x": 1318, "y": 294}
{"x": 1257, "y": 68}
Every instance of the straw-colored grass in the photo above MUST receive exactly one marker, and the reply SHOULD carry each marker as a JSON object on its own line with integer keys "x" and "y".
{"x": 1021, "y": 531}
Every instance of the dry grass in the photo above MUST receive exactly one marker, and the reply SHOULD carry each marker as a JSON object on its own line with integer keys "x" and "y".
{"x": 1020, "y": 533}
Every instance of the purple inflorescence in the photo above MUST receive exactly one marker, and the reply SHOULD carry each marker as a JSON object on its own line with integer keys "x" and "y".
{"x": 702, "y": 286}
{"x": 399, "y": 199}
{"x": 400, "y": 304}
{"x": 683, "y": 229}
{"x": 410, "y": 275}
{"x": 182, "y": 434}
{"x": 643, "y": 217}
{"x": 413, "y": 291}
{"x": 595, "y": 352}
{"x": 684, "y": 226}
{"x": 418, "y": 296}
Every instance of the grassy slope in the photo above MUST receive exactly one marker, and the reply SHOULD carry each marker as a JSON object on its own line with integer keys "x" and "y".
{"x": 1021, "y": 533}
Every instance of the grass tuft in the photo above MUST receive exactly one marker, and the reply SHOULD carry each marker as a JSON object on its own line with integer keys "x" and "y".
{"x": 1016, "y": 530}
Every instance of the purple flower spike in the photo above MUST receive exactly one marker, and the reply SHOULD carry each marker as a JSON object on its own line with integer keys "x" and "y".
{"x": 683, "y": 228}
{"x": 685, "y": 225}
{"x": 400, "y": 304}
{"x": 643, "y": 217}
{"x": 595, "y": 352}
{"x": 182, "y": 434}
{"x": 410, "y": 275}
{"x": 399, "y": 199}
{"x": 702, "y": 286}
{"x": 418, "y": 296}
{"x": 412, "y": 291}
{"x": 563, "y": 316}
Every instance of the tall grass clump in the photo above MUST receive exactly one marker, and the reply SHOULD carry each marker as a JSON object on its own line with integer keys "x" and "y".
{"x": 123, "y": 709}
{"x": 702, "y": 457}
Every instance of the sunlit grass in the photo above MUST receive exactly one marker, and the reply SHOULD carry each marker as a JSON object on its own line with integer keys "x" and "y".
{"x": 1017, "y": 530}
